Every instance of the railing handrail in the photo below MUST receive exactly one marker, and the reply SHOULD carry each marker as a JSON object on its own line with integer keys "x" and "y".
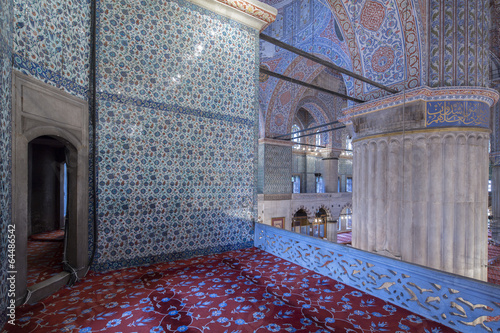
{"x": 455, "y": 301}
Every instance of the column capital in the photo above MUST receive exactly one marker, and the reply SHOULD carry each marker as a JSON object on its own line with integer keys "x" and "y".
{"x": 423, "y": 108}
{"x": 330, "y": 153}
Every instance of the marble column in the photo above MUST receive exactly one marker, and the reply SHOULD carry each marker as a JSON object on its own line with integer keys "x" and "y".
{"x": 495, "y": 198}
{"x": 420, "y": 178}
{"x": 331, "y": 231}
{"x": 495, "y": 169}
{"x": 330, "y": 169}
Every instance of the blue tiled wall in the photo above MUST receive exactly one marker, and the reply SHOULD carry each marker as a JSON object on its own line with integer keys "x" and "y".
{"x": 176, "y": 120}
{"x": 6, "y": 14}
{"x": 52, "y": 42}
{"x": 177, "y": 127}
{"x": 277, "y": 169}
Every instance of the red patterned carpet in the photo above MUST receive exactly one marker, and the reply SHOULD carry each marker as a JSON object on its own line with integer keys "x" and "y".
{"x": 493, "y": 261}
{"x": 50, "y": 236}
{"x": 493, "y": 264}
{"x": 45, "y": 256}
{"x": 344, "y": 238}
{"x": 238, "y": 291}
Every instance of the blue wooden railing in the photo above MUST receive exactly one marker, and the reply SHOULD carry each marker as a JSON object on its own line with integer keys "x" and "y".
{"x": 464, "y": 304}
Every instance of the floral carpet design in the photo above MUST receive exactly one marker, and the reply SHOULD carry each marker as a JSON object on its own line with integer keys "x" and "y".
{"x": 239, "y": 291}
{"x": 45, "y": 256}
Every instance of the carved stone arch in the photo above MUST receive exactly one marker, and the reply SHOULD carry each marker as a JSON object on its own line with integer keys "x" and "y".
{"x": 347, "y": 205}
{"x": 305, "y": 209}
{"x": 310, "y": 107}
{"x": 435, "y": 138}
{"x": 327, "y": 210}
{"x": 40, "y": 110}
{"x": 55, "y": 132}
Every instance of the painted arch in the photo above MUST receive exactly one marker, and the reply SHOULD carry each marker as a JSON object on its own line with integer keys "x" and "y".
{"x": 365, "y": 36}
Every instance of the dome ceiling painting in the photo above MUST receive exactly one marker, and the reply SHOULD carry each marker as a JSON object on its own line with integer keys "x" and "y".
{"x": 363, "y": 36}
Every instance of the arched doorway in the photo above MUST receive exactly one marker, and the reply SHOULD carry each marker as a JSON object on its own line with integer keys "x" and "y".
{"x": 47, "y": 208}
{"x": 319, "y": 224}
{"x": 344, "y": 233}
{"x": 345, "y": 219}
{"x": 315, "y": 228}
{"x": 300, "y": 223}
{"x": 46, "y": 116}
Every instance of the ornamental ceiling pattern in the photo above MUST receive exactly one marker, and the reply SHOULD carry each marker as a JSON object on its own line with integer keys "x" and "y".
{"x": 364, "y": 36}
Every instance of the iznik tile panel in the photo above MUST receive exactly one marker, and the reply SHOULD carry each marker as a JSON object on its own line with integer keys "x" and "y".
{"x": 6, "y": 18}
{"x": 261, "y": 171}
{"x": 277, "y": 169}
{"x": 459, "y": 43}
{"x": 177, "y": 131}
{"x": 52, "y": 42}
{"x": 345, "y": 166}
{"x": 166, "y": 52}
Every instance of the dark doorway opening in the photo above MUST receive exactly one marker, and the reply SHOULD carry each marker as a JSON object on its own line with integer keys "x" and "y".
{"x": 47, "y": 202}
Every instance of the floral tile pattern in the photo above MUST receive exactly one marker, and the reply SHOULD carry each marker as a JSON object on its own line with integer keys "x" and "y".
{"x": 176, "y": 108}
{"x": 177, "y": 126}
{"x": 52, "y": 42}
{"x": 6, "y": 14}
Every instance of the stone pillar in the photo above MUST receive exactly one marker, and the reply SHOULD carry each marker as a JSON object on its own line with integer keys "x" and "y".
{"x": 420, "y": 178}
{"x": 495, "y": 175}
{"x": 274, "y": 167}
{"x": 495, "y": 198}
{"x": 330, "y": 169}
{"x": 310, "y": 173}
{"x": 331, "y": 231}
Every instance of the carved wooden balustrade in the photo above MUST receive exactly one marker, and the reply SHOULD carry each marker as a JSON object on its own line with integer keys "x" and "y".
{"x": 464, "y": 304}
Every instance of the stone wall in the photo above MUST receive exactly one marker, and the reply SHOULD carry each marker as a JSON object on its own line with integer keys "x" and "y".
{"x": 306, "y": 165}
{"x": 345, "y": 171}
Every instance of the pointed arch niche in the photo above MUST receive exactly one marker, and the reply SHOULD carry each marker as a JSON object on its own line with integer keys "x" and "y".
{"x": 40, "y": 110}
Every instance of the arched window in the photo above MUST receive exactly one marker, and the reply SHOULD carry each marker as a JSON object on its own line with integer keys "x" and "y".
{"x": 295, "y": 184}
{"x": 348, "y": 145}
{"x": 348, "y": 184}
{"x": 295, "y": 128}
{"x": 345, "y": 221}
{"x": 320, "y": 184}
{"x": 318, "y": 138}
{"x": 300, "y": 223}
